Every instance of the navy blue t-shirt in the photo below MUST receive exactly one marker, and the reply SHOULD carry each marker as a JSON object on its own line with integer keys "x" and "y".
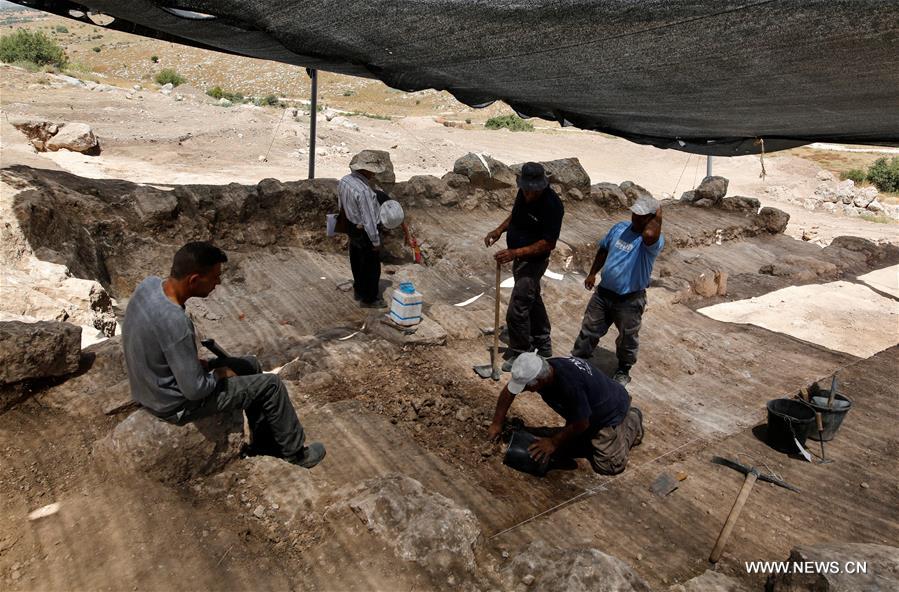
{"x": 534, "y": 221}
{"x": 582, "y": 391}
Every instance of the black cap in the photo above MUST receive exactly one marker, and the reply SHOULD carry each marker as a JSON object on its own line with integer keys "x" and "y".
{"x": 532, "y": 177}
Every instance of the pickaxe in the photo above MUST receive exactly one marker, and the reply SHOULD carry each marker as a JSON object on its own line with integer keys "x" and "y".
{"x": 752, "y": 474}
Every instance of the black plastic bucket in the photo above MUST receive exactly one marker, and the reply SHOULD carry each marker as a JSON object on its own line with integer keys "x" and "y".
{"x": 518, "y": 457}
{"x": 831, "y": 418}
{"x": 788, "y": 419}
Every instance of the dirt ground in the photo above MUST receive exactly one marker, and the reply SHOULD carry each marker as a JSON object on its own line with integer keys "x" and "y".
{"x": 384, "y": 409}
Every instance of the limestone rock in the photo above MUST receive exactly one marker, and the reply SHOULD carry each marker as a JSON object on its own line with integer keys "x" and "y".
{"x": 882, "y": 569}
{"x": 572, "y": 570}
{"x": 713, "y": 188}
{"x": 76, "y": 137}
{"x": 496, "y": 175}
{"x": 423, "y": 527}
{"x": 688, "y": 196}
{"x": 609, "y": 196}
{"x": 633, "y": 192}
{"x": 775, "y": 220}
{"x": 711, "y": 581}
{"x": 387, "y": 177}
{"x": 457, "y": 323}
{"x": 739, "y": 203}
{"x": 567, "y": 177}
{"x": 146, "y": 445}
{"x": 427, "y": 332}
{"x": 703, "y": 203}
{"x": 38, "y": 350}
{"x": 38, "y": 132}
{"x": 824, "y": 175}
{"x": 423, "y": 189}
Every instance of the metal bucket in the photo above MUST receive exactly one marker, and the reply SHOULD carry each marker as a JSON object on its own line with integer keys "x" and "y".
{"x": 789, "y": 419}
{"x": 518, "y": 457}
{"x": 831, "y": 418}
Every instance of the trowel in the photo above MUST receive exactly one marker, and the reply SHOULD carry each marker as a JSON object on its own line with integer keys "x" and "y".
{"x": 491, "y": 370}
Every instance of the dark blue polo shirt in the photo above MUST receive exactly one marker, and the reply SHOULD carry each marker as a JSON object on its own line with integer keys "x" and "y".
{"x": 534, "y": 221}
{"x": 582, "y": 391}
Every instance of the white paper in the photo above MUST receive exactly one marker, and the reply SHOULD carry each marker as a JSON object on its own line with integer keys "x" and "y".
{"x": 48, "y": 510}
{"x": 470, "y": 300}
{"x": 508, "y": 283}
{"x": 553, "y": 275}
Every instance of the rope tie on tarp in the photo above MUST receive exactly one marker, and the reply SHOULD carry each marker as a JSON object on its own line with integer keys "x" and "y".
{"x": 761, "y": 141}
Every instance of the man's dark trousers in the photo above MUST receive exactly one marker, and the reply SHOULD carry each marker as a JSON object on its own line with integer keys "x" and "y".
{"x": 365, "y": 263}
{"x": 526, "y": 316}
{"x": 275, "y": 429}
{"x": 606, "y": 308}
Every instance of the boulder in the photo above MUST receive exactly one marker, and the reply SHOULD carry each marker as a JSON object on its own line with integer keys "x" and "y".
{"x": 633, "y": 192}
{"x": 145, "y": 445}
{"x": 77, "y": 137}
{"x": 688, "y": 196}
{"x": 422, "y": 189}
{"x": 609, "y": 196}
{"x": 824, "y": 176}
{"x": 713, "y": 188}
{"x": 38, "y": 350}
{"x": 550, "y": 569}
{"x": 775, "y": 220}
{"x": 710, "y": 283}
{"x": 864, "y": 196}
{"x": 740, "y": 204}
{"x": 881, "y": 563}
{"x": 223, "y": 102}
{"x": 711, "y": 581}
{"x": 386, "y": 178}
{"x": 153, "y": 207}
{"x": 426, "y": 528}
{"x": 38, "y": 132}
{"x": 495, "y": 175}
{"x": 703, "y": 203}
{"x": 566, "y": 175}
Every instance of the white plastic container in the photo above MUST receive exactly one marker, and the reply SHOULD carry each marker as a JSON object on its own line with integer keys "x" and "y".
{"x": 405, "y": 305}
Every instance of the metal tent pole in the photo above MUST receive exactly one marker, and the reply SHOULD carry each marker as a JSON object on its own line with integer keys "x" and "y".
{"x": 708, "y": 166}
{"x": 312, "y": 119}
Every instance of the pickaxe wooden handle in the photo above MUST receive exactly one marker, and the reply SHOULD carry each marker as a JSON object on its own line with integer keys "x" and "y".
{"x": 495, "y": 358}
{"x": 731, "y": 521}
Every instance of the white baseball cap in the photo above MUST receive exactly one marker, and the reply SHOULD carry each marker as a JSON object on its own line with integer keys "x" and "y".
{"x": 525, "y": 369}
{"x": 391, "y": 213}
{"x": 645, "y": 205}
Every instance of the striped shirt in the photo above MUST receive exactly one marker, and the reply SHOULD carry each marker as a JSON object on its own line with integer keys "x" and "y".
{"x": 360, "y": 203}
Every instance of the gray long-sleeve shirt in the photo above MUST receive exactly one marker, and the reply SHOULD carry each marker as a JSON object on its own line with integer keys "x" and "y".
{"x": 360, "y": 204}
{"x": 161, "y": 352}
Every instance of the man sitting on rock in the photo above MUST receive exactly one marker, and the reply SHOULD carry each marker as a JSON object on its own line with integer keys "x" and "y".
{"x": 600, "y": 423}
{"x": 626, "y": 256}
{"x": 169, "y": 379}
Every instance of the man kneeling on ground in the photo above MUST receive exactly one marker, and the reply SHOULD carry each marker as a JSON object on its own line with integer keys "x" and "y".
{"x": 600, "y": 423}
{"x": 169, "y": 379}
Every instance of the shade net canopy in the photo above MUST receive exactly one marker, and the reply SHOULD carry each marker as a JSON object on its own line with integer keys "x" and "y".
{"x": 704, "y": 76}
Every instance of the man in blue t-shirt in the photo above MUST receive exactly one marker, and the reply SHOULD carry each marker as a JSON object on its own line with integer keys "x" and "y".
{"x": 625, "y": 256}
{"x": 532, "y": 229}
{"x": 600, "y": 423}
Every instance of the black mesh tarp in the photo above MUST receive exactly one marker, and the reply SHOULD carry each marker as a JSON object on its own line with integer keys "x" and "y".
{"x": 707, "y": 76}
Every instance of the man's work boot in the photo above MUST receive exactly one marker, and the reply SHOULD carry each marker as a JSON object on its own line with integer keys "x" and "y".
{"x": 309, "y": 456}
{"x": 507, "y": 365}
{"x": 622, "y": 376}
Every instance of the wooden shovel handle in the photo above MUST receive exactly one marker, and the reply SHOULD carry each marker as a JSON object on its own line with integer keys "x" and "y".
{"x": 496, "y": 319}
{"x": 732, "y": 517}
{"x": 819, "y": 421}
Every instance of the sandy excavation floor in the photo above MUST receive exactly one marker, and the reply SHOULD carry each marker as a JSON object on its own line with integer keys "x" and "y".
{"x": 702, "y": 380}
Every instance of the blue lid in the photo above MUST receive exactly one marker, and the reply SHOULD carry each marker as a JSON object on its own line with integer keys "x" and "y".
{"x": 407, "y": 288}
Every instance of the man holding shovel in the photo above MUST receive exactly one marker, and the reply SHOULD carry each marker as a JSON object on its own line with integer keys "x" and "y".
{"x": 532, "y": 230}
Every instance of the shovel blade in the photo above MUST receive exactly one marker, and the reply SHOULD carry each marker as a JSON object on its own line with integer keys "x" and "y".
{"x": 485, "y": 371}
